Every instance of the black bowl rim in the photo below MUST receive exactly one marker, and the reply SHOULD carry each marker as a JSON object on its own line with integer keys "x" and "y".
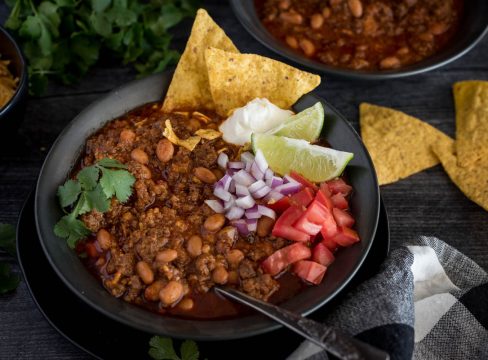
{"x": 238, "y": 7}
{"x": 23, "y": 76}
{"x": 270, "y": 325}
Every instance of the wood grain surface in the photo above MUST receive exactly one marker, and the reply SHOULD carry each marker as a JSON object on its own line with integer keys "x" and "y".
{"x": 427, "y": 203}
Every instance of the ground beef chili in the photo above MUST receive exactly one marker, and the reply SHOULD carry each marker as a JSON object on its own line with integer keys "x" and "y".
{"x": 164, "y": 249}
{"x": 363, "y": 34}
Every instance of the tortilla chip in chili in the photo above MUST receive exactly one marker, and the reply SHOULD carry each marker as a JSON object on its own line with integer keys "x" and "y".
{"x": 236, "y": 79}
{"x": 471, "y": 99}
{"x": 189, "y": 143}
{"x": 472, "y": 181}
{"x": 189, "y": 87}
{"x": 399, "y": 144}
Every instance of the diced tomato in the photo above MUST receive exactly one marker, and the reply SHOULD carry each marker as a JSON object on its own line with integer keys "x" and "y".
{"x": 296, "y": 176}
{"x": 346, "y": 236}
{"x": 283, "y": 257}
{"x": 281, "y": 205}
{"x": 322, "y": 198}
{"x": 290, "y": 216}
{"x": 284, "y": 225}
{"x": 330, "y": 244}
{"x": 339, "y": 186}
{"x": 309, "y": 271}
{"x": 91, "y": 250}
{"x": 343, "y": 218}
{"x": 303, "y": 197}
{"x": 307, "y": 226}
{"x": 311, "y": 221}
{"x": 329, "y": 227}
{"x": 322, "y": 255}
{"x": 339, "y": 201}
{"x": 325, "y": 189}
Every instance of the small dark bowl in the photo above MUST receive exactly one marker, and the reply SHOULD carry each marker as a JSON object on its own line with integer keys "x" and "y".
{"x": 67, "y": 149}
{"x": 12, "y": 114}
{"x": 474, "y": 25}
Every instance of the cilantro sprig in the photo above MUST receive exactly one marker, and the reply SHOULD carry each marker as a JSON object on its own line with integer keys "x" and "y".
{"x": 63, "y": 39}
{"x": 92, "y": 189}
{"x": 8, "y": 280}
{"x": 162, "y": 349}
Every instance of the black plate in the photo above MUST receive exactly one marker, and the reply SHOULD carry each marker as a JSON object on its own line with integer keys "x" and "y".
{"x": 473, "y": 27}
{"x": 338, "y": 132}
{"x": 105, "y": 338}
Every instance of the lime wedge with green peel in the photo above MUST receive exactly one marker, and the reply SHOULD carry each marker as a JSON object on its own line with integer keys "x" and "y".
{"x": 316, "y": 163}
{"x": 305, "y": 125}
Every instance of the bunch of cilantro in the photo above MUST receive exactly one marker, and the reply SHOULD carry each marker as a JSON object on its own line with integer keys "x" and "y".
{"x": 63, "y": 39}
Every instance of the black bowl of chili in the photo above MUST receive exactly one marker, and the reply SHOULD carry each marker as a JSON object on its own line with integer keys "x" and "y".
{"x": 402, "y": 39}
{"x": 63, "y": 158}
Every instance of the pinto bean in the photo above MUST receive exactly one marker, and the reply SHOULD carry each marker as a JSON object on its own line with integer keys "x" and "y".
{"x": 284, "y": 4}
{"x": 171, "y": 293}
{"x": 326, "y": 12}
{"x": 220, "y": 275}
{"x": 205, "y": 175}
{"x": 145, "y": 172}
{"x": 152, "y": 291}
{"x": 234, "y": 257}
{"x": 292, "y": 17}
{"x": 186, "y": 304}
{"x": 145, "y": 272}
{"x": 292, "y": 41}
{"x": 165, "y": 150}
{"x": 127, "y": 136}
{"x": 233, "y": 277}
{"x": 356, "y": 7}
{"x": 316, "y": 21}
{"x": 214, "y": 222}
{"x": 390, "y": 62}
{"x": 140, "y": 156}
{"x": 438, "y": 28}
{"x": 307, "y": 46}
{"x": 166, "y": 255}
{"x": 194, "y": 245}
{"x": 104, "y": 239}
{"x": 265, "y": 225}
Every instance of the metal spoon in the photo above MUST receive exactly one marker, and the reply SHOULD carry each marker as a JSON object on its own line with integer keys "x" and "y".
{"x": 333, "y": 341}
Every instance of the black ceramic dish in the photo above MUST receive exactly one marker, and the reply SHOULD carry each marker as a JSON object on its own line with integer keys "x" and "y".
{"x": 105, "y": 338}
{"x": 11, "y": 115}
{"x": 474, "y": 26}
{"x": 64, "y": 153}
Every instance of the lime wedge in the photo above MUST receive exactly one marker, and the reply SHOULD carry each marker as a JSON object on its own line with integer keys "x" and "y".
{"x": 316, "y": 163}
{"x": 305, "y": 125}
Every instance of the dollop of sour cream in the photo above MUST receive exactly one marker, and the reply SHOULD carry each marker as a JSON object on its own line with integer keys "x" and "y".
{"x": 257, "y": 116}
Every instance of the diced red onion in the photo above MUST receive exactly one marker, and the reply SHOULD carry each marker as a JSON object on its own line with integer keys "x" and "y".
{"x": 288, "y": 188}
{"x": 231, "y": 172}
{"x": 242, "y": 190}
{"x": 234, "y": 213}
{"x": 252, "y": 224}
{"x": 288, "y": 179}
{"x": 232, "y": 187}
{"x": 221, "y": 193}
{"x": 268, "y": 181}
{"x": 230, "y": 203}
{"x": 241, "y": 226}
{"x": 245, "y": 202}
{"x": 236, "y": 165}
{"x": 215, "y": 205}
{"x": 247, "y": 157}
{"x": 224, "y": 182}
{"x": 261, "y": 192}
{"x": 273, "y": 197}
{"x": 256, "y": 186}
{"x": 256, "y": 172}
{"x": 268, "y": 174}
{"x": 261, "y": 162}
{"x": 243, "y": 178}
{"x": 276, "y": 181}
{"x": 253, "y": 213}
{"x": 248, "y": 166}
{"x": 266, "y": 211}
{"x": 222, "y": 160}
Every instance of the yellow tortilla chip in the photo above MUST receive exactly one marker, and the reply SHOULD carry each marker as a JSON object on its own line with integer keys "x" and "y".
{"x": 189, "y": 143}
{"x": 236, "y": 79}
{"x": 208, "y": 134}
{"x": 471, "y": 99}
{"x": 189, "y": 88}
{"x": 399, "y": 144}
{"x": 472, "y": 181}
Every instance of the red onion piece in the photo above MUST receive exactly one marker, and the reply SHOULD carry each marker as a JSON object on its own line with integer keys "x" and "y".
{"x": 222, "y": 160}
{"x": 268, "y": 174}
{"x": 232, "y": 186}
{"x": 273, "y": 197}
{"x": 234, "y": 213}
{"x": 245, "y": 202}
{"x": 261, "y": 192}
{"x": 260, "y": 161}
{"x": 289, "y": 188}
{"x": 243, "y": 178}
{"x": 253, "y": 213}
{"x": 276, "y": 181}
{"x": 256, "y": 186}
{"x": 236, "y": 165}
{"x": 221, "y": 193}
{"x": 256, "y": 172}
{"x": 242, "y": 190}
{"x": 252, "y": 224}
{"x": 288, "y": 179}
{"x": 241, "y": 226}
{"x": 230, "y": 203}
{"x": 247, "y": 157}
{"x": 266, "y": 211}
{"x": 224, "y": 182}
{"x": 215, "y": 205}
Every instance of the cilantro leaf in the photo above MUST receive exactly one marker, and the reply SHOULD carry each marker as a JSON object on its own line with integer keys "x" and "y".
{"x": 8, "y": 281}
{"x": 88, "y": 177}
{"x": 69, "y": 192}
{"x": 72, "y": 229}
{"x": 189, "y": 350}
{"x": 111, "y": 163}
{"x": 97, "y": 200}
{"x": 118, "y": 183}
{"x": 82, "y": 206}
{"x": 7, "y": 238}
{"x": 162, "y": 349}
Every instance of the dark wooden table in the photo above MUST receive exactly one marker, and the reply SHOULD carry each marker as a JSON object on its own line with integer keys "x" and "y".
{"x": 424, "y": 204}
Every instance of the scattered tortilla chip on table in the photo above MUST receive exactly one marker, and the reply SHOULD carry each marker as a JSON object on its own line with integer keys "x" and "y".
{"x": 236, "y": 79}
{"x": 399, "y": 144}
{"x": 189, "y": 87}
{"x": 471, "y": 99}
{"x": 472, "y": 181}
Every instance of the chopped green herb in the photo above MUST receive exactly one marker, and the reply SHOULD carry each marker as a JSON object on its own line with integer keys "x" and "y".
{"x": 90, "y": 192}
{"x": 8, "y": 281}
{"x": 7, "y": 238}
{"x": 62, "y": 39}
{"x": 162, "y": 349}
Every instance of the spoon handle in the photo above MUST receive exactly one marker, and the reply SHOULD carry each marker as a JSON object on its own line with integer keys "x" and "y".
{"x": 336, "y": 343}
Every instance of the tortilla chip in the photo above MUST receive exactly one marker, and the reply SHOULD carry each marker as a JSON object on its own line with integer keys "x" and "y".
{"x": 189, "y": 143}
{"x": 399, "y": 144}
{"x": 472, "y": 181}
{"x": 236, "y": 79}
{"x": 471, "y": 99}
{"x": 208, "y": 134}
{"x": 189, "y": 88}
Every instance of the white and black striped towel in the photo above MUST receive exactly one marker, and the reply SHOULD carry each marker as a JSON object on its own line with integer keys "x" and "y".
{"x": 429, "y": 301}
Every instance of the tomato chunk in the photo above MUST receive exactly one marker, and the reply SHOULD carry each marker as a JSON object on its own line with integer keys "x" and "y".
{"x": 339, "y": 201}
{"x": 329, "y": 226}
{"x": 322, "y": 255}
{"x": 311, "y": 221}
{"x": 324, "y": 199}
{"x": 339, "y": 186}
{"x": 346, "y": 236}
{"x": 284, "y": 225}
{"x": 343, "y": 218}
{"x": 325, "y": 189}
{"x": 280, "y": 259}
{"x": 330, "y": 244}
{"x": 296, "y": 176}
{"x": 309, "y": 271}
{"x": 303, "y": 197}
{"x": 281, "y": 205}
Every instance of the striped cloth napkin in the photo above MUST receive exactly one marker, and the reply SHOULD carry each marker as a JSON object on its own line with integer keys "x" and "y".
{"x": 428, "y": 301}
